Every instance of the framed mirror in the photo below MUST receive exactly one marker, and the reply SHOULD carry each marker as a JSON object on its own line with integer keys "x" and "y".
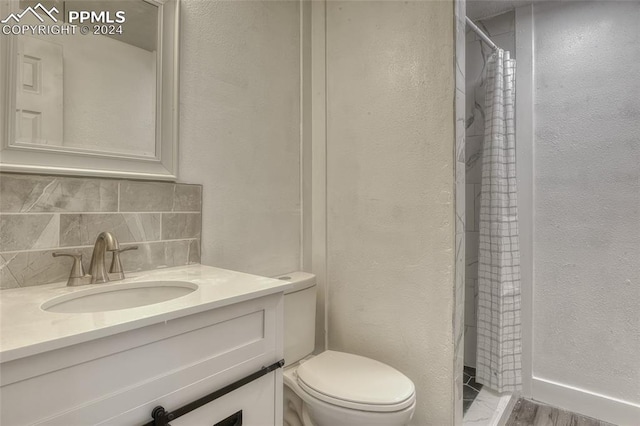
{"x": 90, "y": 87}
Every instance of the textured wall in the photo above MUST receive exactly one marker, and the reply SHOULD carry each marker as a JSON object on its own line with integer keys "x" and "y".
{"x": 501, "y": 29}
{"x": 44, "y": 214}
{"x": 587, "y": 196}
{"x": 240, "y": 130}
{"x": 390, "y": 177}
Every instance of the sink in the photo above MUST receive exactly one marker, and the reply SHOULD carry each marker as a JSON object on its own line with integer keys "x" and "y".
{"x": 119, "y": 296}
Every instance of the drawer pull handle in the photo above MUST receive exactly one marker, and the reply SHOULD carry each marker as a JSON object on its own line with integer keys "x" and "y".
{"x": 233, "y": 420}
{"x": 162, "y": 417}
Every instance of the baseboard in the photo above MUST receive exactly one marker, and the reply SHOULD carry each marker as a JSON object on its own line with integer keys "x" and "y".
{"x": 591, "y": 404}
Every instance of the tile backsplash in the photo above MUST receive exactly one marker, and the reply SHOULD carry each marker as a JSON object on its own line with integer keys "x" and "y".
{"x": 41, "y": 214}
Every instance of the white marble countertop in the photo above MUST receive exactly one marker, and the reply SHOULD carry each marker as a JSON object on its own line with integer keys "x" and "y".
{"x": 25, "y": 329}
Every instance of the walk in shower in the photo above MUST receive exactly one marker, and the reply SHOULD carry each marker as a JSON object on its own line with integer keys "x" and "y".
{"x": 575, "y": 246}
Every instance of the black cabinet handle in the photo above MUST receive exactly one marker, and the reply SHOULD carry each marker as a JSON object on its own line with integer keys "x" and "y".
{"x": 161, "y": 417}
{"x": 232, "y": 420}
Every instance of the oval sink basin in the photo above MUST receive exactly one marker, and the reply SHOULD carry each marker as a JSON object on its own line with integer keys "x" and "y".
{"x": 121, "y": 296}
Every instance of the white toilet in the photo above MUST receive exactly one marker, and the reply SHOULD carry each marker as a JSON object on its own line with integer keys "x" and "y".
{"x": 335, "y": 388}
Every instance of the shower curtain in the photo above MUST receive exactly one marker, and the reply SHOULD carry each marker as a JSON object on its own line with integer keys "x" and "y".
{"x": 499, "y": 349}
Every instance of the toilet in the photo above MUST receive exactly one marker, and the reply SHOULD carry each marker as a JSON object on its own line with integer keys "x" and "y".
{"x": 335, "y": 388}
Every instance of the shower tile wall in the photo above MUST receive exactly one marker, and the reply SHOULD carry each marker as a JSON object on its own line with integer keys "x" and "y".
{"x": 42, "y": 214}
{"x": 501, "y": 29}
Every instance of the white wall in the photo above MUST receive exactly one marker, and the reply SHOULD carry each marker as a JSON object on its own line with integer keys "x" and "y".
{"x": 586, "y": 321}
{"x": 240, "y": 130}
{"x": 390, "y": 178}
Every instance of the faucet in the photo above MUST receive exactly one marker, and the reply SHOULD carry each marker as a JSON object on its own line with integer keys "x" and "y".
{"x": 105, "y": 242}
{"x": 77, "y": 276}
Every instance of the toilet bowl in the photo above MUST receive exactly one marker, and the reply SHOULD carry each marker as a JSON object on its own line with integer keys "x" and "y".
{"x": 340, "y": 389}
{"x": 335, "y": 388}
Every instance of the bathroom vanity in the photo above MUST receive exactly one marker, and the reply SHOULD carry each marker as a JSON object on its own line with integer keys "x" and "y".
{"x": 220, "y": 345}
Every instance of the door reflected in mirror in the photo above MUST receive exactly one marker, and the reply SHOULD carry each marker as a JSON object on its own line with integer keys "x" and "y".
{"x": 94, "y": 90}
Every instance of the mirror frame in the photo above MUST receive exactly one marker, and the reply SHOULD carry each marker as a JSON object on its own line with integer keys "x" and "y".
{"x": 48, "y": 160}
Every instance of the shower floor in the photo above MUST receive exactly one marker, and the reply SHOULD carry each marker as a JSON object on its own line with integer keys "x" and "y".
{"x": 471, "y": 389}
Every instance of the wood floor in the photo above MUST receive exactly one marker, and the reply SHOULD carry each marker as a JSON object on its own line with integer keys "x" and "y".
{"x": 528, "y": 413}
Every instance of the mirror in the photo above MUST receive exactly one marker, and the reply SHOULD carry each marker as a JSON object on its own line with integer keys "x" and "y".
{"x": 90, "y": 87}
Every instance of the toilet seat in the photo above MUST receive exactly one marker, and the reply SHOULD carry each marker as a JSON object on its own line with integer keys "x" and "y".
{"x": 355, "y": 382}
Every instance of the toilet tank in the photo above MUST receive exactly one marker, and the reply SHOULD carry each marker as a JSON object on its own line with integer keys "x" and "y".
{"x": 299, "y": 316}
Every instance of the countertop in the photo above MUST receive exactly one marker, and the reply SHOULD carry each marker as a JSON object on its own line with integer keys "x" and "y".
{"x": 25, "y": 329}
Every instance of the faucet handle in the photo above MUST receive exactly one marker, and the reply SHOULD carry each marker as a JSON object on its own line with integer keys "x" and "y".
{"x": 116, "y": 263}
{"x": 77, "y": 270}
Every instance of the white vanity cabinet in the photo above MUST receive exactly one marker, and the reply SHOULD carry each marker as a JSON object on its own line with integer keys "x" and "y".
{"x": 119, "y": 379}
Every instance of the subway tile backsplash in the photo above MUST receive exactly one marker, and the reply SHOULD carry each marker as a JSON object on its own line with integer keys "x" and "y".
{"x": 180, "y": 225}
{"x": 41, "y": 214}
{"x": 35, "y": 193}
{"x": 80, "y": 229}
{"x": 28, "y": 231}
{"x": 154, "y": 196}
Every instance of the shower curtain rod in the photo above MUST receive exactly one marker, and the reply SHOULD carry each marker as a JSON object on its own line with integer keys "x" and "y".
{"x": 482, "y": 35}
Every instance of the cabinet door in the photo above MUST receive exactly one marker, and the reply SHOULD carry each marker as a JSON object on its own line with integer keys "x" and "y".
{"x": 251, "y": 405}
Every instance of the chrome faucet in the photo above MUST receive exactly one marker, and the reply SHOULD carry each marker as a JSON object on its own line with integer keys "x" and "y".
{"x": 97, "y": 270}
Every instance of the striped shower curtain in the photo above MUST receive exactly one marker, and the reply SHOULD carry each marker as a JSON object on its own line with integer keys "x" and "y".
{"x": 499, "y": 347}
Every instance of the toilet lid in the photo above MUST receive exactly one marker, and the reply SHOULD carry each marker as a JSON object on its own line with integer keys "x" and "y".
{"x": 356, "y": 382}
